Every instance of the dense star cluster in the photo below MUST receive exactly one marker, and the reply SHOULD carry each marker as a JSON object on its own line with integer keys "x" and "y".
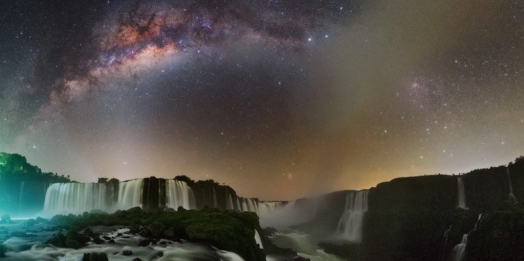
{"x": 277, "y": 98}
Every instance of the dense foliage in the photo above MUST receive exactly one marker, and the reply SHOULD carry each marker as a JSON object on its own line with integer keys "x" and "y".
{"x": 22, "y": 185}
{"x": 227, "y": 230}
{"x": 14, "y": 167}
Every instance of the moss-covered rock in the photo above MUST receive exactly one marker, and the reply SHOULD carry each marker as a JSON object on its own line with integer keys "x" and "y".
{"x": 157, "y": 229}
{"x": 224, "y": 229}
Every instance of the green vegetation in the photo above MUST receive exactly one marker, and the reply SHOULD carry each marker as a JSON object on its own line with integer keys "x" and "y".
{"x": 14, "y": 167}
{"x": 22, "y": 185}
{"x": 224, "y": 229}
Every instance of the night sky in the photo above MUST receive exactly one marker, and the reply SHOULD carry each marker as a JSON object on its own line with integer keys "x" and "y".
{"x": 279, "y": 99}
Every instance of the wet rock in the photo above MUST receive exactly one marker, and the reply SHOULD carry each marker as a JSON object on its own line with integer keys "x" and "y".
{"x": 299, "y": 258}
{"x": 137, "y": 259}
{"x": 106, "y": 238}
{"x": 41, "y": 220}
{"x": 144, "y": 243}
{"x": 127, "y": 252}
{"x": 111, "y": 241}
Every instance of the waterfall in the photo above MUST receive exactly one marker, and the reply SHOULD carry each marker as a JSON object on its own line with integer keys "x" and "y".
{"x": 20, "y": 197}
{"x": 130, "y": 194}
{"x": 239, "y": 205}
{"x": 230, "y": 202}
{"x": 459, "y": 251}
{"x": 179, "y": 194}
{"x": 264, "y": 208}
{"x": 461, "y": 193}
{"x": 512, "y": 198}
{"x": 258, "y": 240}
{"x": 215, "y": 202}
{"x": 350, "y": 224}
{"x": 65, "y": 198}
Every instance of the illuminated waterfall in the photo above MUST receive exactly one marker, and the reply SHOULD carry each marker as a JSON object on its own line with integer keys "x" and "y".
{"x": 350, "y": 224}
{"x": 230, "y": 202}
{"x": 265, "y": 208}
{"x": 461, "y": 193}
{"x": 130, "y": 193}
{"x": 179, "y": 194}
{"x": 258, "y": 240}
{"x": 459, "y": 251}
{"x": 65, "y": 198}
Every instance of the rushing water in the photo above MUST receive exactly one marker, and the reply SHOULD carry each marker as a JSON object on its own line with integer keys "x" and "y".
{"x": 461, "y": 193}
{"x": 459, "y": 251}
{"x": 304, "y": 245}
{"x": 130, "y": 193}
{"x": 65, "y": 198}
{"x": 76, "y": 198}
{"x": 179, "y": 194}
{"x": 23, "y": 249}
{"x": 351, "y": 222}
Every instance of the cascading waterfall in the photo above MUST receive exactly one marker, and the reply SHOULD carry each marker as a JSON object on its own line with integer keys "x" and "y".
{"x": 265, "y": 208}
{"x": 179, "y": 194}
{"x": 258, "y": 240}
{"x": 511, "y": 195}
{"x": 130, "y": 194}
{"x": 461, "y": 193}
{"x": 76, "y": 198}
{"x": 215, "y": 201}
{"x": 64, "y": 198}
{"x": 350, "y": 224}
{"x": 230, "y": 202}
{"x": 459, "y": 251}
{"x": 21, "y": 195}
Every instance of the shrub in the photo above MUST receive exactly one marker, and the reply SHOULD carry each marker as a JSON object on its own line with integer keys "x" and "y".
{"x": 157, "y": 229}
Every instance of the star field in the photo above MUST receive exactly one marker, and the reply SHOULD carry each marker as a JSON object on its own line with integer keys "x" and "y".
{"x": 279, "y": 99}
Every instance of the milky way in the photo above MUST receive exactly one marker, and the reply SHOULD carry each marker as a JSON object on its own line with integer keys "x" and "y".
{"x": 279, "y": 99}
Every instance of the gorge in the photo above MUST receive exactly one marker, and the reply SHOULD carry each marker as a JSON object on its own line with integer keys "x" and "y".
{"x": 417, "y": 218}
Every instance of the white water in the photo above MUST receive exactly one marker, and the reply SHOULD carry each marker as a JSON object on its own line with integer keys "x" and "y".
{"x": 461, "y": 193}
{"x": 258, "y": 240}
{"x": 230, "y": 202}
{"x": 350, "y": 224}
{"x": 130, "y": 193}
{"x": 511, "y": 195}
{"x": 304, "y": 245}
{"x": 253, "y": 205}
{"x": 179, "y": 194}
{"x": 65, "y": 198}
{"x": 264, "y": 208}
{"x": 23, "y": 249}
{"x": 459, "y": 251}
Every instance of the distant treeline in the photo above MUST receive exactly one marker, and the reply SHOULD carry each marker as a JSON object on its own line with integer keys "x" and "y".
{"x": 14, "y": 168}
